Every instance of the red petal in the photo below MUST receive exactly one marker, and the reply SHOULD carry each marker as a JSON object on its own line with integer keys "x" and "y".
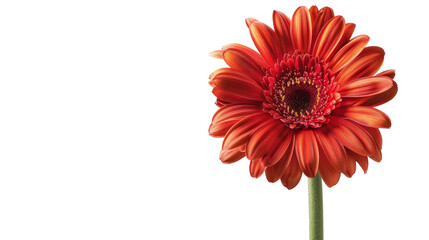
{"x": 227, "y": 116}
{"x": 388, "y": 73}
{"x": 348, "y": 52}
{"x": 219, "y": 130}
{"x": 261, "y": 140}
{"x": 363, "y": 162}
{"x": 278, "y": 147}
{"x": 348, "y": 32}
{"x": 329, "y": 174}
{"x": 363, "y": 87}
{"x": 221, "y": 103}
{"x": 377, "y": 156}
{"x": 282, "y": 28}
{"x": 255, "y": 56}
{"x": 275, "y": 172}
{"x": 380, "y": 98}
{"x": 329, "y": 37}
{"x": 367, "y": 116}
{"x": 249, "y": 21}
{"x": 301, "y": 30}
{"x": 239, "y": 133}
{"x": 325, "y": 14}
{"x": 234, "y": 112}
{"x": 314, "y": 11}
{"x": 332, "y": 148}
{"x": 307, "y": 151}
{"x": 352, "y": 136}
{"x": 244, "y": 63}
{"x": 376, "y": 135}
{"x": 216, "y": 54}
{"x": 265, "y": 41}
{"x": 256, "y": 168}
{"x": 292, "y": 174}
{"x": 231, "y": 156}
{"x": 351, "y": 163}
{"x": 365, "y": 64}
{"x": 236, "y": 87}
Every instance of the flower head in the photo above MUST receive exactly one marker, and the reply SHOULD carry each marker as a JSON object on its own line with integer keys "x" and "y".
{"x": 304, "y": 103}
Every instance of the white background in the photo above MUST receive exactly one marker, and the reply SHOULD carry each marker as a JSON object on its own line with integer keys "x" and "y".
{"x": 104, "y": 111}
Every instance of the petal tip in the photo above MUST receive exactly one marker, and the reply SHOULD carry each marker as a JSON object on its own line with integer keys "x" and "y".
{"x": 249, "y": 21}
{"x": 216, "y": 54}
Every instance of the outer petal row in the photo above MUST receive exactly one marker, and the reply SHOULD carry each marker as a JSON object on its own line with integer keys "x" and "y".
{"x": 376, "y": 99}
{"x": 329, "y": 37}
{"x": 282, "y": 28}
{"x": 226, "y": 116}
{"x": 266, "y": 41}
{"x": 233, "y": 86}
{"x": 301, "y": 30}
{"x": 366, "y": 116}
{"x": 304, "y": 151}
{"x": 365, "y": 64}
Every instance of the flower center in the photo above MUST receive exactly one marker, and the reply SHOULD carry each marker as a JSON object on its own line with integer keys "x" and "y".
{"x": 300, "y": 91}
{"x": 299, "y": 99}
{"x": 297, "y": 95}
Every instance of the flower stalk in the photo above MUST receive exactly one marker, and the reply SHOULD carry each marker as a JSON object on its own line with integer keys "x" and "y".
{"x": 315, "y": 202}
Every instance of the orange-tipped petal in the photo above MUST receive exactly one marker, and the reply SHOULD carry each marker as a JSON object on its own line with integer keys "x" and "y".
{"x": 388, "y": 73}
{"x": 352, "y": 136}
{"x": 226, "y": 116}
{"x": 367, "y": 86}
{"x": 376, "y": 135}
{"x": 249, "y": 21}
{"x": 216, "y": 72}
{"x": 329, "y": 37}
{"x": 314, "y": 11}
{"x": 329, "y": 174}
{"x": 380, "y": 98}
{"x": 333, "y": 149}
{"x": 348, "y": 52}
{"x": 236, "y": 87}
{"x": 234, "y": 112}
{"x": 261, "y": 140}
{"x": 307, "y": 151}
{"x": 231, "y": 156}
{"x": 325, "y": 14}
{"x": 350, "y": 163}
{"x": 253, "y": 55}
{"x": 301, "y": 30}
{"x": 282, "y": 28}
{"x": 377, "y": 156}
{"x": 239, "y": 133}
{"x": 266, "y": 41}
{"x": 367, "y": 116}
{"x": 292, "y": 174}
{"x": 275, "y": 172}
{"x": 365, "y": 64}
{"x": 256, "y": 168}
{"x": 279, "y": 147}
{"x": 243, "y": 62}
{"x": 231, "y": 73}
{"x": 217, "y": 54}
{"x": 363, "y": 162}
{"x": 219, "y": 130}
{"x": 345, "y": 38}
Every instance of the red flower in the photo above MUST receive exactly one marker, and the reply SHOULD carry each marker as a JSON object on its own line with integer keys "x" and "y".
{"x": 305, "y": 102}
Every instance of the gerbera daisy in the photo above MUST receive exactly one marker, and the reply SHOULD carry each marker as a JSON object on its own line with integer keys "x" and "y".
{"x": 305, "y": 102}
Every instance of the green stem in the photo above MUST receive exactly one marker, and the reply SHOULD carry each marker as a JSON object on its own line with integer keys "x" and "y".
{"x": 315, "y": 202}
